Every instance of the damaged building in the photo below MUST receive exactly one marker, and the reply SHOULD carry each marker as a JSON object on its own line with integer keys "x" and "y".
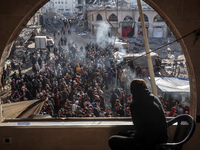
{"x": 126, "y": 20}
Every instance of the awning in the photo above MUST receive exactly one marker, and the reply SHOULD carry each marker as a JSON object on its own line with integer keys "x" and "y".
{"x": 173, "y": 85}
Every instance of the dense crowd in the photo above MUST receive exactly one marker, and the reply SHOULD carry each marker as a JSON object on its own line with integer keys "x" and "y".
{"x": 76, "y": 80}
{"x": 174, "y": 107}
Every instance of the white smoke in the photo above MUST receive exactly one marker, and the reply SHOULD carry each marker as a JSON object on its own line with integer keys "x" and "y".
{"x": 102, "y": 34}
{"x": 103, "y": 40}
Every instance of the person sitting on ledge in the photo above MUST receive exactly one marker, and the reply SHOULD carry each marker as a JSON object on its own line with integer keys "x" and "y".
{"x": 150, "y": 127}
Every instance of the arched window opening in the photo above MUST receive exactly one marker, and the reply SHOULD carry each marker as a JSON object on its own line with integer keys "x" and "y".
{"x": 146, "y": 19}
{"x": 128, "y": 19}
{"x": 157, "y": 18}
{"x": 53, "y": 78}
{"x": 99, "y": 17}
{"x": 112, "y": 17}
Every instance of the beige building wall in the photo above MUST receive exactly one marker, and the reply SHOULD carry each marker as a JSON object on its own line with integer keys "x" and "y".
{"x": 134, "y": 13}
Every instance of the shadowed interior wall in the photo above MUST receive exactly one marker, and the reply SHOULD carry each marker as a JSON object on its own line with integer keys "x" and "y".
{"x": 58, "y": 138}
{"x": 68, "y": 138}
{"x": 182, "y": 17}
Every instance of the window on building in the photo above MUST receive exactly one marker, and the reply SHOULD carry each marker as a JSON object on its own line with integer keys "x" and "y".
{"x": 146, "y": 19}
{"x": 157, "y": 18}
{"x": 61, "y": 10}
{"x": 128, "y": 18}
{"x": 112, "y": 17}
{"x": 99, "y": 17}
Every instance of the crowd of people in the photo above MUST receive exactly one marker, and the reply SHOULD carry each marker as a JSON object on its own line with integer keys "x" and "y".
{"x": 75, "y": 80}
{"x": 174, "y": 107}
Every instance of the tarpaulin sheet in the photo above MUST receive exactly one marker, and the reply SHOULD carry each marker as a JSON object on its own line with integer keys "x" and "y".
{"x": 126, "y": 31}
{"x": 22, "y": 109}
{"x": 172, "y": 84}
{"x": 158, "y": 32}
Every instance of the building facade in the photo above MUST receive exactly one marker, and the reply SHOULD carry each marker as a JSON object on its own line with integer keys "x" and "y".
{"x": 62, "y": 6}
{"x": 127, "y": 21}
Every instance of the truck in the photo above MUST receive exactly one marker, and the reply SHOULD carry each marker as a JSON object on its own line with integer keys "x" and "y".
{"x": 43, "y": 41}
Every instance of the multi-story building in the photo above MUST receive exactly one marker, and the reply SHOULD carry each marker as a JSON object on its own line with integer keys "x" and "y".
{"x": 62, "y": 6}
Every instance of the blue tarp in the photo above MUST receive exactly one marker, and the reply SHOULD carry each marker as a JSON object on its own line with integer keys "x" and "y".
{"x": 171, "y": 84}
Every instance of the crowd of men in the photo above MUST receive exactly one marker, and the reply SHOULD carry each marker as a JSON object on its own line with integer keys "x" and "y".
{"x": 75, "y": 80}
{"x": 174, "y": 107}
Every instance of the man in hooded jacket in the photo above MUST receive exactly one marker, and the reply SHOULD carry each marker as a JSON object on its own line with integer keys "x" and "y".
{"x": 148, "y": 118}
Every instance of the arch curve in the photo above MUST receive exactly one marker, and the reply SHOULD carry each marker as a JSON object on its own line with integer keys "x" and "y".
{"x": 167, "y": 16}
{"x": 157, "y": 18}
{"x": 128, "y": 19}
{"x": 99, "y": 17}
{"x": 14, "y": 18}
{"x": 112, "y": 17}
{"x": 146, "y": 19}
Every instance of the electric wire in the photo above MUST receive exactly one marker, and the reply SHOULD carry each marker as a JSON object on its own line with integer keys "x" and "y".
{"x": 124, "y": 63}
{"x": 195, "y": 31}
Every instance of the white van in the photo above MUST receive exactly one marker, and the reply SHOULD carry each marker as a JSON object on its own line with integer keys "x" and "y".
{"x": 40, "y": 42}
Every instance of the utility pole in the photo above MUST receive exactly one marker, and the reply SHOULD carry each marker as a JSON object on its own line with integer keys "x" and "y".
{"x": 149, "y": 61}
{"x": 114, "y": 51}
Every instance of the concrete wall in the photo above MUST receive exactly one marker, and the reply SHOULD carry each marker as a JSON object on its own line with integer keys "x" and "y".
{"x": 182, "y": 17}
{"x": 57, "y": 138}
{"x": 68, "y": 137}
